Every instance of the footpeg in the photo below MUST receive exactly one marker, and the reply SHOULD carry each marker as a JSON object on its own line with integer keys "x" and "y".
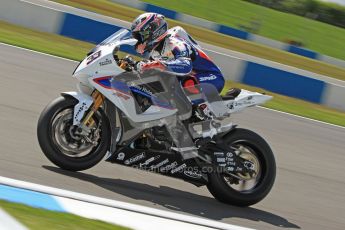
{"x": 208, "y": 129}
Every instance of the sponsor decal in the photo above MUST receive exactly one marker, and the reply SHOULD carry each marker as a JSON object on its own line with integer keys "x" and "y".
{"x": 82, "y": 107}
{"x": 93, "y": 57}
{"x": 105, "y": 62}
{"x": 179, "y": 168}
{"x": 120, "y": 156}
{"x": 229, "y": 154}
{"x": 230, "y": 106}
{"x": 249, "y": 165}
{"x": 136, "y": 158}
{"x": 244, "y": 103}
{"x": 148, "y": 161}
{"x": 239, "y": 169}
{"x": 192, "y": 174}
{"x": 208, "y": 78}
{"x": 142, "y": 89}
{"x": 231, "y": 169}
{"x": 160, "y": 164}
{"x": 218, "y": 153}
{"x": 169, "y": 167}
{"x": 221, "y": 160}
{"x": 231, "y": 163}
{"x": 229, "y": 159}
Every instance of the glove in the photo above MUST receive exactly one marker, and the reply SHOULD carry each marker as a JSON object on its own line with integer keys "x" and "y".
{"x": 142, "y": 66}
{"x": 129, "y": 59}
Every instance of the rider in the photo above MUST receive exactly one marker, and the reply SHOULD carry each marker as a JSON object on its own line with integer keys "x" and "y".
{"x": 173, "y": 51}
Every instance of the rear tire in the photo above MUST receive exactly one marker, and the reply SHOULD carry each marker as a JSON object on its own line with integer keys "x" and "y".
{"x": 221, "y": 190}
{"x": 54, "y": 154}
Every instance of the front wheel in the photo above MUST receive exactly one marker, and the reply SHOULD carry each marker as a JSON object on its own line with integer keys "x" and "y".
{"x": 60, "y": 142}
{"x": 245, "y": 189}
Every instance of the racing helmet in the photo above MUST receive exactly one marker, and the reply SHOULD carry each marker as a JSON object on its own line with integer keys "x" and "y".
{"x": 149, "y": 29}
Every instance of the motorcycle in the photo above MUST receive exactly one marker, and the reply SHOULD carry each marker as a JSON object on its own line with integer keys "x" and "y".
{"x": 146, "y": 121}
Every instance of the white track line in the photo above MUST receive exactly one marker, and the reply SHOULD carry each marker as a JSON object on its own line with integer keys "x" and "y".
{"x": 9, "y": 223}
{"x": 118, "y": 204}
{"x": 50, "y": 55}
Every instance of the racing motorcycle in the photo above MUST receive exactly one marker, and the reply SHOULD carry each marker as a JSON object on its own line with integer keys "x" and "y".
{"x": 146, "y": 121}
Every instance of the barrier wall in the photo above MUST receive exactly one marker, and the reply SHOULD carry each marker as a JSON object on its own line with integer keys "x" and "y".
{"x": 87, "y": 29}
{"x": 231, "y": 31}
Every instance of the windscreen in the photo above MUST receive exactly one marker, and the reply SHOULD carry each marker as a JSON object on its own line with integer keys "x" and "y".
{"x": 163, "y": 90}
{"x": 153, "y": 88}
{"x": 119, "y": 35}
{"x": 157, "y": 94}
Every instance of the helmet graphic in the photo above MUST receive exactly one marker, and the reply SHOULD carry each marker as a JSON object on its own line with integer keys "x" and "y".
{"x": 149, "y": 29}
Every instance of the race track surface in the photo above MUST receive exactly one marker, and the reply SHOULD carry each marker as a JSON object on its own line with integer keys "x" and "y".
{"x": 309, "y": 189}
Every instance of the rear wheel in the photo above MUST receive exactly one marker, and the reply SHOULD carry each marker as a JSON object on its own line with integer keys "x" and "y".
{"x": 63, "y": 145}
{"x": 245, "y": 189}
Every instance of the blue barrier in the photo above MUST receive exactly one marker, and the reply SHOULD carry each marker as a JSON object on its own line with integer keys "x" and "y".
{"x": 156, "y": 9}
{"x": 85, "y": 29}
{"x": 283, "y": 82}
{"x": 302, "y": 52}
{"x": 89, "y": 30}
{"x": 233, "y": 32}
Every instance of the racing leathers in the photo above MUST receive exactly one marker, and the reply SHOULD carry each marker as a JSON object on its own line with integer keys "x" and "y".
{"x": 179, "y": 54}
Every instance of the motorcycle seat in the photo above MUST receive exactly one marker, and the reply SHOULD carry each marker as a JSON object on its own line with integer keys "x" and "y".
{"x": 231, "y": 94}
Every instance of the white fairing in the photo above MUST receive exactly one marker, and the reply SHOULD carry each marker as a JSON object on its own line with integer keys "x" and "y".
{"x": 246, "y": 99}
{"x": 104, "y": 65}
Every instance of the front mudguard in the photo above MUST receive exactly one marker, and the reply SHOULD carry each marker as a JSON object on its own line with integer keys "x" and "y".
{"x": 84, "y": 103}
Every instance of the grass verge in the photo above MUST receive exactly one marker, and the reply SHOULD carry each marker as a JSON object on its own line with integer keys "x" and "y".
{"x": 62, "y": 46}
{"x": 43, "y": 42}
{"x": 35, "y": 218}
{"x": 128, "y": 14}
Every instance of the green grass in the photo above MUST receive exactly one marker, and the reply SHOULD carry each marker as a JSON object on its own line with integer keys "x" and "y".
{"x": 43, "y": 42}
{"x": 62, "y": 46}
{"x": 111, "y": 9}
{"x": 37, "y": 219}
{"x": 318, "y": 36}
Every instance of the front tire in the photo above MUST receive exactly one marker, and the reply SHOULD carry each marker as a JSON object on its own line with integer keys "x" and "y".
{"x": 49, "y": 140}
{"x": 222, "y": 190}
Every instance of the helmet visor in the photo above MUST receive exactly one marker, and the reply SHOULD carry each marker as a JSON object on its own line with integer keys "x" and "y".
{"x": 141, "y": 36}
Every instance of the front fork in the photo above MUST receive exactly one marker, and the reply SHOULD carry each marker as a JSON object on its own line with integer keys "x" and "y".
{"x": 98, "y": 100}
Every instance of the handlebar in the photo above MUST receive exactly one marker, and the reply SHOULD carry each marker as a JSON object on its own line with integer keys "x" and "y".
{"x": 126, "y": 63}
